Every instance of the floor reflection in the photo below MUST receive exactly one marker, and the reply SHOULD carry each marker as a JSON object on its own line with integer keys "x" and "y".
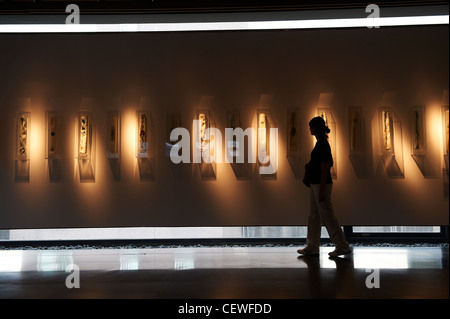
{"x": 11, "y": 260}
{"x": 322, "y": 282}
{"x": 217, "y": 258}
{"x": 226, "y": 272}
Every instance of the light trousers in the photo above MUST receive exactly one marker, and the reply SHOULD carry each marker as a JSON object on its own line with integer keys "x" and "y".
{"x": 322, "y": 213}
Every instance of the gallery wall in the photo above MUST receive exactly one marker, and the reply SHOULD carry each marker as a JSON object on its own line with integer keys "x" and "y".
{"x": 161, "y": 73}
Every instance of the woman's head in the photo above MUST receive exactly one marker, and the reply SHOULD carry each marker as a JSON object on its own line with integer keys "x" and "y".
{"x": 317, "y": 127}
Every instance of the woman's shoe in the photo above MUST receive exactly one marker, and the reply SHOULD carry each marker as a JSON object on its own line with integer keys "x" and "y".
{"x": 339, "y": 252}
{"x": 307, "y": 251}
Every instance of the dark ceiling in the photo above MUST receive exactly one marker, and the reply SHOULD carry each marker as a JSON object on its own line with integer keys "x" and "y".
{"x": 190, "y": 6}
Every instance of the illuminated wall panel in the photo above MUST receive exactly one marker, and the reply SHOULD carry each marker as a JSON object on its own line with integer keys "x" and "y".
{"x": 419, "y": 140}
{"x": 445, "y": 134}
{"x": 23, "y": 132}
{"x": 142, "y": 135}
{"x": 113, "y": 135}
{"x": 292, "y": 132}
{"x": 239, "y": 147}
{"x": 23, "y": 146}
{"x": 145, "y": 141}
{"x": 391, "y": 142}
{"x": 445, "y": 148}
{"x": 267, "y": 146}
{"x": 357, "y": 136}
{"x": 418, "y": 131}
{"x": 267, "y": 139}
{"x": 205, "y": 144}
{"x": 328, "y": 117}
{"x": 173, "y": 122}
{"x": 52, "y": 135}
{"x": 357, "y": 142}
{"x": 113, "y": 143}
{"x": 233, "y": 145}
{"x": 293, "y": 151}
{"x": 86, "y": 146}
{"x": 53, "y": 145}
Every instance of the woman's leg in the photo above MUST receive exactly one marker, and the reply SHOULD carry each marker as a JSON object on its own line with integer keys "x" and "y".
{"x": 314, "y": 223}
{"x": 328, "y": 218}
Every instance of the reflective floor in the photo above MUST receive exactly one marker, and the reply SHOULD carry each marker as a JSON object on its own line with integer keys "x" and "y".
{"x": 213, "y": 272}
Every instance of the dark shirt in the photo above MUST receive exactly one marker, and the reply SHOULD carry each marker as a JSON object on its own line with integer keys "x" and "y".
{"x": 320, "y": 154}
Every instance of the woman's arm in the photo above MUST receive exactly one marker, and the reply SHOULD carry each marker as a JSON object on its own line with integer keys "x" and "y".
{"x": 305, "y": 181}
{"x": 323, "y": 180}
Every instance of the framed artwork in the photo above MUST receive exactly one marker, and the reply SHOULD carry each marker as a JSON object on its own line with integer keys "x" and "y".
{"x": 142, "y": 135}
{"x": 113, "y": 135}
{"x": 23, "y": 136}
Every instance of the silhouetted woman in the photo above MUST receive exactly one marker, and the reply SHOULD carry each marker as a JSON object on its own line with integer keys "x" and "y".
{"x": 318, "y": 178}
